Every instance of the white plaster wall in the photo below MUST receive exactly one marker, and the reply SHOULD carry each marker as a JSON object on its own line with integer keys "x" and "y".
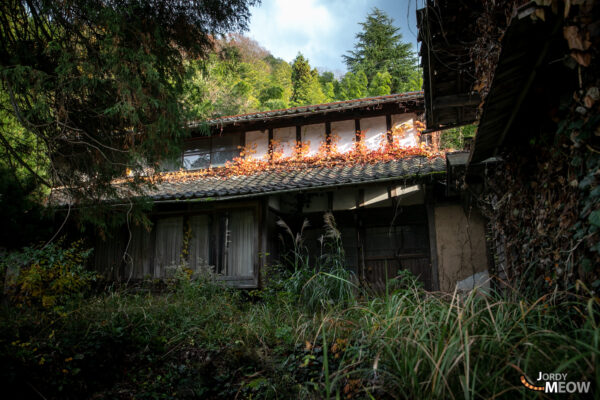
{"x": 315, "y": 134}
{"x": 344, "y": 199}
{"x": 377, "y": 196}
{"x": 317, "y": 203}
{"x": 286, "y": 138}
{"x": 410, "y": 139}
{"x": 261, "y": 139}
{"x": 460, "y": 240}
{"x": 409, "y": 195}
{"x": 346, "y": 132}
{"x": 375, "y": 131}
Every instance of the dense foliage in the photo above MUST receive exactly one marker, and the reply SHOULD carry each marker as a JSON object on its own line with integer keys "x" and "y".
{"x": 380, "y": 53}
{"x": 49, "y": 277}
{"x": 240, "y": 76}
{"x": 96, "y": 86}
{"x": 305, "y": 335}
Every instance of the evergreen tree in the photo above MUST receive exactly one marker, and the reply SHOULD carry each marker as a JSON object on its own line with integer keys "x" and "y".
{"x": 328, "y": 85}
{"x": 379, "y": 47}
{"x": 353, "y": 86}
{"x": 381, "y": 84}
{"x": 306, "y": 88}
{"x": 99, "y": 83}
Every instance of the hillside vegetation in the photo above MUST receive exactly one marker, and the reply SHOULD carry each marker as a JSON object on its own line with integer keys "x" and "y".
{"x": 240, "y": 76}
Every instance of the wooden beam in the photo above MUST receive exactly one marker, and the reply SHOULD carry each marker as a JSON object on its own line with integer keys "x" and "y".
{"x": 388, "y": 127}
{"x": 270, "y": 148}
{"x": 459, "y": 100}
{"x": 435, "y": 279}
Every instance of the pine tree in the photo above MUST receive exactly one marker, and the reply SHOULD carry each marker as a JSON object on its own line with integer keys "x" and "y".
{"x": 378, "y": 48}
{"x": 98, "y": 84}
{"x": 306, "y": 88}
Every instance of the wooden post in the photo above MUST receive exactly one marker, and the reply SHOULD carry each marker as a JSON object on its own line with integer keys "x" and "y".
{"x": 388, "y": 127}
{"x": 270, "y": 144}
{"x": 435, "y": 280}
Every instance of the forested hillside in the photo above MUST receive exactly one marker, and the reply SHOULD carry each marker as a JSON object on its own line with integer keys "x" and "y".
{"x": 240, "y": 76}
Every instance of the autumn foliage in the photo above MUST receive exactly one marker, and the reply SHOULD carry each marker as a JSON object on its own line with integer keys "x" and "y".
{"x": 328, "y": 155}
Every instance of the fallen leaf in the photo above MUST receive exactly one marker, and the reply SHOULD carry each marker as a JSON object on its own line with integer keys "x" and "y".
{"x": 584, "y": 59}
{"x": 588, "y": 101}
{"x": 575, "y": 40}
{"x": 541, "y": 14}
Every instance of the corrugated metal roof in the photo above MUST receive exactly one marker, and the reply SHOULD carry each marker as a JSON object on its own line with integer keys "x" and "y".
{"x": 312, "y": 109}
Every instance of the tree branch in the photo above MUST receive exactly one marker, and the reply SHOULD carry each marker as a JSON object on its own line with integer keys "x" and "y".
{"x": 14, "y": 153}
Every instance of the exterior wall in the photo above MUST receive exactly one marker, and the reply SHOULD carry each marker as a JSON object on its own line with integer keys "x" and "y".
{"x": 460, "y": 241}
{"x": 315, "y": 134}
{"x": 260, "y": 139}
{"x": 286, "y": 137}
{"x": 346, "y": 133}
{"x": 374, "y": 129}
{"x": 405, "y": 122}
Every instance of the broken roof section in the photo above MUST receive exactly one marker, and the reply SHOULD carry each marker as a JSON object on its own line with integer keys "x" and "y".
{"x": 447, "y": 33}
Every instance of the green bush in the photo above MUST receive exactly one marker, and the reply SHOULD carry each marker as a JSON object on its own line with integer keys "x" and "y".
{"x": 48, "y": 277}
{"x": 310, "y": 334}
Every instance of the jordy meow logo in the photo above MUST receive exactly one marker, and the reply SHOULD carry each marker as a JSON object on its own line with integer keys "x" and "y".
{"x": 555, "y": 383}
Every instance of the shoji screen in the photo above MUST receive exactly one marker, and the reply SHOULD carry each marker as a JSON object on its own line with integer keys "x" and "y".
{"x": 240, "y": 250}
{"x": 199, "y": 242}
{"x": 167, "y": 249}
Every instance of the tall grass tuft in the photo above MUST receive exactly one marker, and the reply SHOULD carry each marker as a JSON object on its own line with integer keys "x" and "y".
{"x": 416, "y": 345}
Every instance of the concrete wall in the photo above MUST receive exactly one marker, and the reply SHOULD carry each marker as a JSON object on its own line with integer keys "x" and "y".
{"x": 460, "y": 241}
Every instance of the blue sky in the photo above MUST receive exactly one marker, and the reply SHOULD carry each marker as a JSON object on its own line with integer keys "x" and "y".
{"x": 323, "y": 30}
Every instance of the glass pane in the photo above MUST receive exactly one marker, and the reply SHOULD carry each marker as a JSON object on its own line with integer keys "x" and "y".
{"x": 170, "y": 165}
{"x": 241, "y": 244}
{"x": 221, "y": 157}
{"x": 226, "y": 142}
{"x": 196, "y": 161}
{"x": 201, "y": 145}
{"x": 167, "y": 246}
{"x": 199, "y": 244}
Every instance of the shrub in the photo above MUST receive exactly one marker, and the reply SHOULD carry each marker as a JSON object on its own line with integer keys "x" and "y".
{"x": 48, "y": 277}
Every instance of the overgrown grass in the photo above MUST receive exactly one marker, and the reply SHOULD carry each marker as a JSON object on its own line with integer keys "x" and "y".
{"x": 204, "y": 340}
{"x": 311, "y": 333}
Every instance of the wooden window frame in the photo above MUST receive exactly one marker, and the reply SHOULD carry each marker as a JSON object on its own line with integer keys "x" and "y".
{"x": 211, "y": 152}
{"x": 214, "y": 212}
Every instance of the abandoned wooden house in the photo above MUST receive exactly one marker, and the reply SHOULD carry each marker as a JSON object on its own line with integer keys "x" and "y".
{"x": 521, "y": 70}
{"x": 393, "y": 213}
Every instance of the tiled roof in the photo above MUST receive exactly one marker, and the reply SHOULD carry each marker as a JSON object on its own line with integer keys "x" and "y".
{"x": 263, "y": 183}
{"x": 314, "y": 109}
